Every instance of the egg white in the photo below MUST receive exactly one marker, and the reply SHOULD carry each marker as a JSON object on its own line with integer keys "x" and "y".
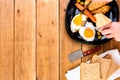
{"x": 81, "y": 32}
{"x": 74, "y": 27}
{"x": 89, "y": 24}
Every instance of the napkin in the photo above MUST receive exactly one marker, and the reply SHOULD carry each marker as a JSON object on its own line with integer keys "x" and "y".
{"x": 74, "y": 74}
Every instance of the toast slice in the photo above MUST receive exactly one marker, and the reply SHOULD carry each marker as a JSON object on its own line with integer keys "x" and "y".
{"x": 113, "y": 67}
{"x": 104, "y": 65}
{"x": 108, "y": 56}
{"x": 96, "y": 5}
{"x": 90, "y": 71}
{"x": 103, "y": 10}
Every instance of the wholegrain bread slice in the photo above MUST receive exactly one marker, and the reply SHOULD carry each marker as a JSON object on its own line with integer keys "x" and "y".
{"x": 90, "y": 71}
{"x": 108, "y": 56}
{"x": 104, "y": 65}
{"x": 113, "y": 67}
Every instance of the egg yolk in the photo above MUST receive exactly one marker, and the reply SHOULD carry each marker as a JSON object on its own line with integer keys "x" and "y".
{"x": 88, "y": 33}
{"x": 78, "y": 20}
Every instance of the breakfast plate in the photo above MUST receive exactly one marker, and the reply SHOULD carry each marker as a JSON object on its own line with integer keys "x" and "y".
{"x": 72, "y": 11}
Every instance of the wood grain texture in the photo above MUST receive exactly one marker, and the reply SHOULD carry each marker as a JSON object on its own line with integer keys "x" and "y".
{"x": 110, "y": 45}
{"x": 67, "y": 45}
{"x": 34, "y": 44}
{"x": 6, "y": 39}
{"x": 47, "y": 40}
{"x": 25, "y": 45}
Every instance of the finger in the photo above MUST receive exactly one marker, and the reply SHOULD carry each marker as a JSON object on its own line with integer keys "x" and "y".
{"x": 98, "y": 0}
{"x": 116, "y": 39}
{"x": 106, "y": 31}
{"x": 109, "y": 36}
{"x": 102, "y": 0}
{"x": 104, "y": 27}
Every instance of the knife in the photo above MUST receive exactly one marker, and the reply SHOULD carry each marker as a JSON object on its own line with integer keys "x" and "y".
{"x": 79, "y": 54}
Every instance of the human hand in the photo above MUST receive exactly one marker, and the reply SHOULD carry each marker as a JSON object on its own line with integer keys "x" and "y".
{"x": 102, "y": 0}
{"x": 111, "y": 30}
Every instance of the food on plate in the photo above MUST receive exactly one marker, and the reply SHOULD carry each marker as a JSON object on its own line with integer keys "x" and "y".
{"x": 99, "y": 35}
{"x": 113, "y": 67}
{"x": 104, "y": 65}
{"x": 87, "y": 32}
{"x": 90, "y": 71}
{"x": 103, "y": 10}
{"x": 78, "y": 1}
{"x": 87, "y": 2}
{"x": 108, "y": 56}
{"x": 96, "y": 5}
{"x": 82, "y": 3}
{"x": 80, "y": 7}
{"x": 101, "y": 20}
{"x": 95, "y": 12}
{"x": 86, "y": 12}
{"x": 77, "y": 22}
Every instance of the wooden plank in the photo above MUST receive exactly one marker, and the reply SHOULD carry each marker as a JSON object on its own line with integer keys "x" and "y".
{"x": 6, "y": 40}
{"x": 67, "y": 45}
{"x": 25, "y": 48}
{"x": 110, "y": 45}
{"x": 47, "y": 40}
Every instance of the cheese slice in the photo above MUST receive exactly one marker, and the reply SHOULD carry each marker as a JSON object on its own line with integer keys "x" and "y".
{"x": 101, "y": 20}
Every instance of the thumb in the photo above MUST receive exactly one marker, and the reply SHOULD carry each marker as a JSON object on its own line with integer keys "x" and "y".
{"x": 101, "y": 0}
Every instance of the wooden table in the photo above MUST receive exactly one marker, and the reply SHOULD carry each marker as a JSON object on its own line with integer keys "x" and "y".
{"x": 34, "y": 44}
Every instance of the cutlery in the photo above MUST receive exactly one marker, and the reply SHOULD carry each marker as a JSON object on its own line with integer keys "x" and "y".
{"x": 79, "y": 54}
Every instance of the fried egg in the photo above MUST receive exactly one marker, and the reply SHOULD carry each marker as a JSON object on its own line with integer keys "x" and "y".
{"x": 87, "y": 32}
{"x": 77, "y": 22}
